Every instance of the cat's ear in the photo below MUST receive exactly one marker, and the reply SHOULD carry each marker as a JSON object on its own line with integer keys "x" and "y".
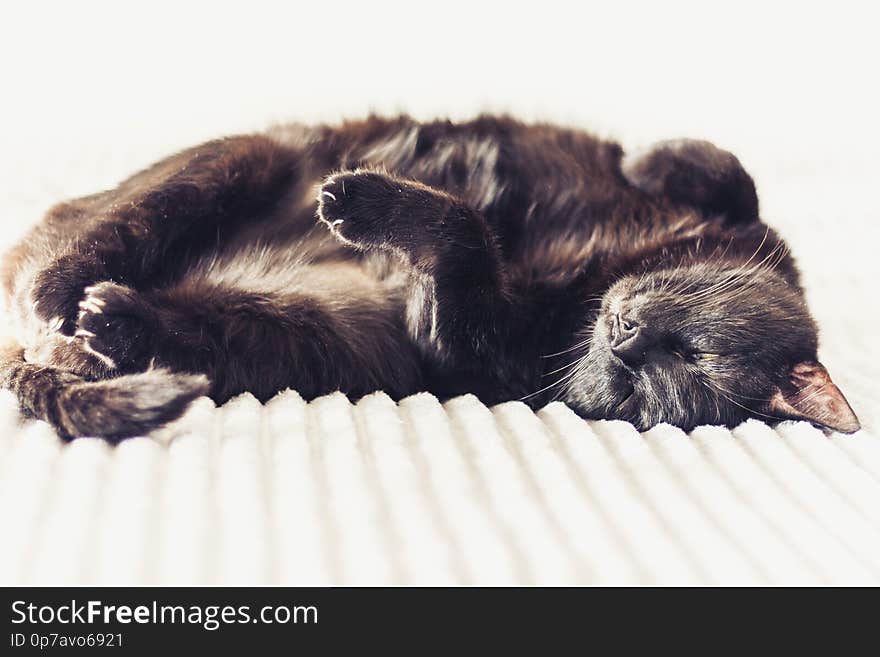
{"x": 812, "y": 396}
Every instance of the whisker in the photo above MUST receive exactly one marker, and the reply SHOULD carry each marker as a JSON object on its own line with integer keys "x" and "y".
{"x": 564, "y": 378}
{"x": 582, "y": 343}
{"x": 717, "y": 391}
{"x": 735, "y": 274}
{"x": 742, "y": 277}
{"x": 559, "y": 369}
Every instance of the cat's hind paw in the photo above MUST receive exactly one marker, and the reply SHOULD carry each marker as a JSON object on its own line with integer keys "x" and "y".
{"x": 115, "y": 324}
{"x": 355, "y": 205}
{"x": 373, "y": 210}
{"x": 369, "y": 209}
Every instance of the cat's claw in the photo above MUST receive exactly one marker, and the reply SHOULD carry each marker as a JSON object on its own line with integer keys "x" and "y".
{"x": 333, "y": 201}
{"x": 55, "y": 324}
{"x": 114, "y": 325}
{"x": 91, "y": 303}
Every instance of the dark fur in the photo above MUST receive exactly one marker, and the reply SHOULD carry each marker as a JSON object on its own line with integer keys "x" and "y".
{"x": 508, "y": 260}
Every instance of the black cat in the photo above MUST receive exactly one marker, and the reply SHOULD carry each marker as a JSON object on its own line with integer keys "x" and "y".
{"x": 512, "y": 261}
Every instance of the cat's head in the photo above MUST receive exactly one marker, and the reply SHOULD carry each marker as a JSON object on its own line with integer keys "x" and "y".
{"x": 707, "y": 341}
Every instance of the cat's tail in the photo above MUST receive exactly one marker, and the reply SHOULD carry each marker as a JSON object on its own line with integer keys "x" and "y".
{"x": 122, "y": 407}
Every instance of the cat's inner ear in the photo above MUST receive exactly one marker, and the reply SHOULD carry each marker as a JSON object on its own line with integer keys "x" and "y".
{"x": 812, "y": 396}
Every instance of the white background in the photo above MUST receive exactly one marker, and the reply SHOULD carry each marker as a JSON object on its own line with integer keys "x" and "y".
{"x": 787, "y": 75}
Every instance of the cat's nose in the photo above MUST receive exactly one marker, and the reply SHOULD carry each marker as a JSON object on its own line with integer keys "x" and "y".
{"x": 622, "y": 329}
{"x": 628, "y": 340}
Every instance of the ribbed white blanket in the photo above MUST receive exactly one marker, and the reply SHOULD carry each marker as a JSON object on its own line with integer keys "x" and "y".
{"x": 376, "y": 493}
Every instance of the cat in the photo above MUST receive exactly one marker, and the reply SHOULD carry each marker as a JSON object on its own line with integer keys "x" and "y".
{"x": 494, "y": 257}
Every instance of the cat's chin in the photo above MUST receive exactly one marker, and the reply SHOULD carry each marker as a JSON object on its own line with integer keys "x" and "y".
{"x": 606, "y": 399}
{"x": 628, "y": 405}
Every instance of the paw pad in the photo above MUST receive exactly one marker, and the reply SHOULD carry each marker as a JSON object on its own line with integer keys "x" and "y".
{"x": 113, "y": 325}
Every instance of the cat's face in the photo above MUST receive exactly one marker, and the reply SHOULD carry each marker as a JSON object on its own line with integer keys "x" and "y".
{"x": 704, "y": 344}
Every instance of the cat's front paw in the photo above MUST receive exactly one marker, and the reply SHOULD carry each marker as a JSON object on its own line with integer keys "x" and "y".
{"x": 58, "y": 289}
{"x": 116, "y": 325}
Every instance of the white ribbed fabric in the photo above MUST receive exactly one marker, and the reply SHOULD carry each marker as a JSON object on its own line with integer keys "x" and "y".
{"x": 422, "y": 493}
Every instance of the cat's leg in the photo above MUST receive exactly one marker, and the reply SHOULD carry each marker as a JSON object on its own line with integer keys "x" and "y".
{"x": 461, "y": 310}
{"x": 131, "y": 234}
{"x": 255, "y": 341}
{"x": 697, "y": 174}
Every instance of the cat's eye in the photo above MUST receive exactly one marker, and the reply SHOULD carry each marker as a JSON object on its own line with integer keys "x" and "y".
{"x": 694, "y": 356}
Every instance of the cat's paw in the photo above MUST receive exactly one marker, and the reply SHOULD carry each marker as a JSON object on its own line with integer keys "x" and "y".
{"x": 58, "y": 289}
{"x": 371, "y": 210}
{"x": 695, "y": 173}
{"x": 116, "y": 325}
{"x": 352, "y": 205}
{"x": 368, "y": 209}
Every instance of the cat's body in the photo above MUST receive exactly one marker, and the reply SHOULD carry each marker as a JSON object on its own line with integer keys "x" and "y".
{"x": 508, "y": 260}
